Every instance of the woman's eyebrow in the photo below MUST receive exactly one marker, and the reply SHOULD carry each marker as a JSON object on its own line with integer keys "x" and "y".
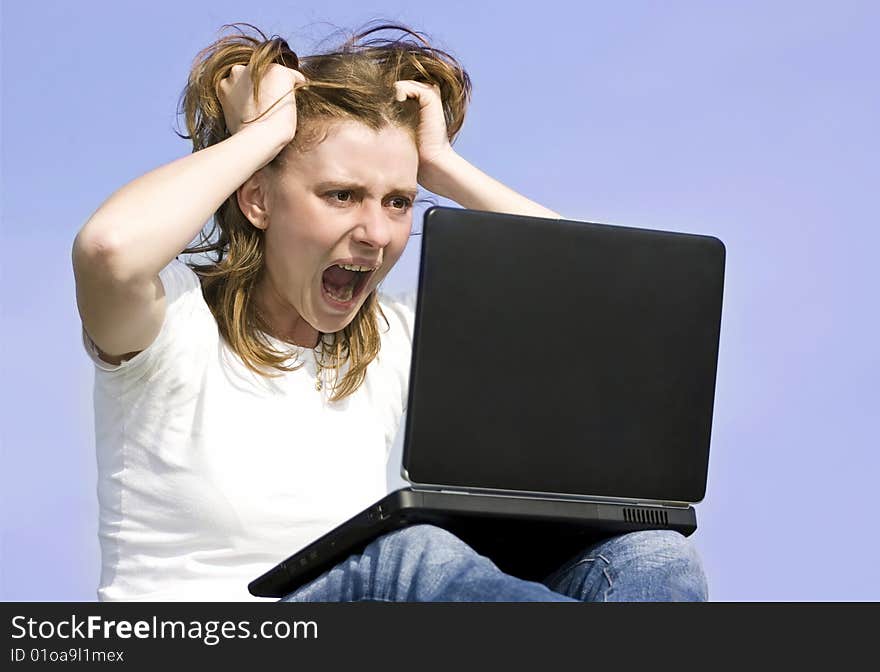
{"x": 347, "y": 185}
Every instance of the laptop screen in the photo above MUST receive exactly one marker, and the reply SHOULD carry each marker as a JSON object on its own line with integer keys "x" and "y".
{"x": 563, "y": 357}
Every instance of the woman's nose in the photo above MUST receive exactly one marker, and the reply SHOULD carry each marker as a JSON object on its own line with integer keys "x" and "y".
{"x": 373, "y": 227}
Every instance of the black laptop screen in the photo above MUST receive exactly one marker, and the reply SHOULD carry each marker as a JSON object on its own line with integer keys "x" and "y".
{"x": 563, "y": 357}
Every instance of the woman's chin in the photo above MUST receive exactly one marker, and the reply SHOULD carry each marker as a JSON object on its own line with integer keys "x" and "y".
{"x": 328, "y": 322}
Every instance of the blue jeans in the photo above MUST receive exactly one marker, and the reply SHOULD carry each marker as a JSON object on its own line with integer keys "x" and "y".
{"x": 424, "y": 563}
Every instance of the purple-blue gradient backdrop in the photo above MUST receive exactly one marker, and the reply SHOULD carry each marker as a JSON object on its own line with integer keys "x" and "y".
{"x": 755, "y": 122}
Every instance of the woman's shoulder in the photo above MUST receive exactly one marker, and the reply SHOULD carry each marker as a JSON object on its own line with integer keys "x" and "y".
{"x": 178, "y": 278}
{"x": 399, "y": 307}
{"x": 185, "y": 311}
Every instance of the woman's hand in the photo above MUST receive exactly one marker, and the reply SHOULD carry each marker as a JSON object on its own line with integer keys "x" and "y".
{"x": 444, "y": 172}
{"x": 433, "y": 141}
{"x": 236, "y": 94}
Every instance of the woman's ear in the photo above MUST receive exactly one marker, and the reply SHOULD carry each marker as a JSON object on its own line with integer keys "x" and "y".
{"x": 253, "y": 199}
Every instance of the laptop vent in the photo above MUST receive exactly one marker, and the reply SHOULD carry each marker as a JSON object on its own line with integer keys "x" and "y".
{"x": 646, "y": 516}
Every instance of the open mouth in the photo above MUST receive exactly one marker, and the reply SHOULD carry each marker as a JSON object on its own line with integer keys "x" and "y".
{"x": 342, "y": 284}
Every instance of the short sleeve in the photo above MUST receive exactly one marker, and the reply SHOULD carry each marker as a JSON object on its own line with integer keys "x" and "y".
{"x": 183, "y": 296}
{"x": 403, "y": 306}
{"x": 399, "y": 309}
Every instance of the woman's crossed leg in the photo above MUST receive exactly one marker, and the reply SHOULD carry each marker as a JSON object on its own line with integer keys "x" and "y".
{"x": 425, "y": 563}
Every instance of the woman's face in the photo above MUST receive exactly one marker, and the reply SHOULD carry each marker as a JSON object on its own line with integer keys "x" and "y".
{"x": 346, "y": 201}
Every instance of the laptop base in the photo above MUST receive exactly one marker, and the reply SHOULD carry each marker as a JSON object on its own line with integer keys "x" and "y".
{"x": 526, "y": 537}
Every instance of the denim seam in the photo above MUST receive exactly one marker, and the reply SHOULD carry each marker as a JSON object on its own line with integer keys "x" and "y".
{"x": 604, "y": 572}
{"x": 607, "y": 577}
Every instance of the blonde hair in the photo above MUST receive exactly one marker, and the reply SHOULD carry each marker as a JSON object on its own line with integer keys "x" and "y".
{"x": 355, "y": 81}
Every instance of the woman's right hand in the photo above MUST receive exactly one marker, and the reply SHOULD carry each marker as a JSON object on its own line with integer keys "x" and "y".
{"x": 237, "y": 99}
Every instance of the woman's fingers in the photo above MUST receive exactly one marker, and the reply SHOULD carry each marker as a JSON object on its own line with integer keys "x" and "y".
{"x": 433, "y": 141}
{"x": 273, "y": 104}
{"x": 408, "y": 88}
{"x": 234, "y": 73}
{"x": 299, "y": 78}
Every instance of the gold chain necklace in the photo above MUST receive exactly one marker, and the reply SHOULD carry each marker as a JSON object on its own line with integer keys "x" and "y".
{"x": 319, "y": 368}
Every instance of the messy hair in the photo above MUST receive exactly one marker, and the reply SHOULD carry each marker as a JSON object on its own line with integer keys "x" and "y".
{"x": 354, "y": 81}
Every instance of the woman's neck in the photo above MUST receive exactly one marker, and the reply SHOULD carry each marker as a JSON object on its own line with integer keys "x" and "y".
{"x": 282, "y": 319}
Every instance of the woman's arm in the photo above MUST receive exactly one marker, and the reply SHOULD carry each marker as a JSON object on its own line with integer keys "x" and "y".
{"x": 141, "y": 227}
{"x": 458, "y": 180}
{"x": 444, "y": 172}
{"x": 119, "y": 252}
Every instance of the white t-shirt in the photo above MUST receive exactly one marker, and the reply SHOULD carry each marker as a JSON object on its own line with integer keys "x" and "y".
{"x": 209, "y": 475}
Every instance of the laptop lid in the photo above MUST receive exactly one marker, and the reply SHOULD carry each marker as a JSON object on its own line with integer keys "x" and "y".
{"x": 563, "y": 357}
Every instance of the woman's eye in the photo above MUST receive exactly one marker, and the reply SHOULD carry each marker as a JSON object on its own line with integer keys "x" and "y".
{"x": 338, "y": 197}
{"x": 400, "y": 203}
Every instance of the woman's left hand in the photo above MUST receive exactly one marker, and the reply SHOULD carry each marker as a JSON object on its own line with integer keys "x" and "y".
{"x": 433, "y": 141}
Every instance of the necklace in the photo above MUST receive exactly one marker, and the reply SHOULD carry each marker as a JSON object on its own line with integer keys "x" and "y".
{"x": 319, "y": 372}
{"x": 319, "y": 368}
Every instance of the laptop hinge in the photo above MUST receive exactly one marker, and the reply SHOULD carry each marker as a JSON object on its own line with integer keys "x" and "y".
{"x": 552, "y": 496}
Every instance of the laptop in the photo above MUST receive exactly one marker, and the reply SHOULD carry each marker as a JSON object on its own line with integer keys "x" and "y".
{"x": 561, "y": 391}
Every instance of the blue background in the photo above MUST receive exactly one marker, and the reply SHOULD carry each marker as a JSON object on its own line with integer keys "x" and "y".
{"x": 755, "y": 122}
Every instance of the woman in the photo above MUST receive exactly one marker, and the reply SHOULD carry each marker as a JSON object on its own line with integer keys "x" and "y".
{"x": 231, "y": 396}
